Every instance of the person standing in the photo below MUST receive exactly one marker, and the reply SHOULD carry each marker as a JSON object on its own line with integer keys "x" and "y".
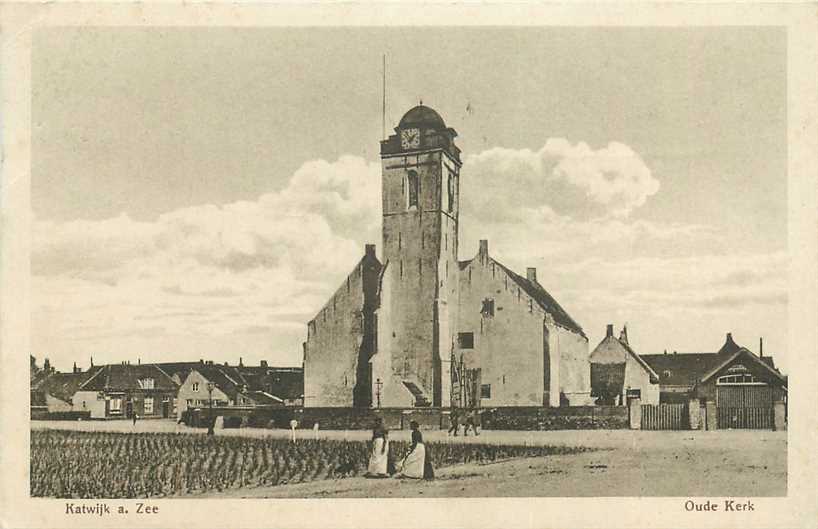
{"x": 379, "y": 458}
{"x": 293, "y": 426}
{"x": 134, "y": 416}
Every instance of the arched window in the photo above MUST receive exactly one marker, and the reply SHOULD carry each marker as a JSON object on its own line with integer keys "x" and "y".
{"x": 744, "y": 379}
{"x": 414, "y": 187}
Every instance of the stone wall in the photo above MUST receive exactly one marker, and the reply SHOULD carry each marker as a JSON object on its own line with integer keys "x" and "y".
{"x": 501, "y": 418}
{"x": 525, "y": 357}
{"x": 563, "y": 418}
{"x": 574, "y": 367}
{"x": 336, "y": 353}
{"x": 331, "y": 418}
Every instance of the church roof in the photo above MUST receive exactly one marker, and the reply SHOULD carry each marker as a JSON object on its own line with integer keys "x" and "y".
{"x": 422, "y": 116}
{"x": 544, "y": 300}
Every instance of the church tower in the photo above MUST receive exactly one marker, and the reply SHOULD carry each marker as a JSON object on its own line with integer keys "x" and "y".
{"x": 420, "y": 190}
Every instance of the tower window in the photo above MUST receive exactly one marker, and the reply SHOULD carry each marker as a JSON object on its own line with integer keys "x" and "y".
{"x": 414, "y": 188}
{"x": 488, "y": 308}
{"x": 451, "y": 192}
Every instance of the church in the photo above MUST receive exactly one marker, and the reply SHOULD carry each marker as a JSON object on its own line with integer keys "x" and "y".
{"x": 418, "y": 327}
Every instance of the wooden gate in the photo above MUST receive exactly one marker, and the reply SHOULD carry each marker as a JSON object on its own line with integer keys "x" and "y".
{"x": 664, "y": 417}
{"x": 752, "y": 418}
{"x": 744, "y": 406}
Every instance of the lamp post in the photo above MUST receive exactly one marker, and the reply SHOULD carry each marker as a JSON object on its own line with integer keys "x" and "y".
{"x": 378, "y": 386}
{"x": 211, "y": 421}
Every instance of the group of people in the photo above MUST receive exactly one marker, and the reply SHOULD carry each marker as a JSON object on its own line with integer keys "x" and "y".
{"x": 416, "y": 464}
{"x": 469, "y": 420}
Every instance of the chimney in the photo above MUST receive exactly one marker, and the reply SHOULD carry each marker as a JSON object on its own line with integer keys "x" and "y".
{"x": 609, "y": 331}
{"x": 761, "y": 347}
{"x": 369, "y": 250}
{"x": 75, "y": 370}
{"x": 483, "y": 252}
{"x": 264, "y": 363}
{"x": 531, "y": 274}
{"x": 665, "y": 351}
{"x": 201, "y": 360}
{"x": 138, "y": 361}
{"x": 241, "y": 364}
{"x": 674, "y": 351}
{"x": 92, "y": 361}
{"x": 623, "y": 335}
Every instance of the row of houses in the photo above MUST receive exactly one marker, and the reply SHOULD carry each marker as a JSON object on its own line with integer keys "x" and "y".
{"x": 732, "y": 381}
{"x": 163, "y": 390}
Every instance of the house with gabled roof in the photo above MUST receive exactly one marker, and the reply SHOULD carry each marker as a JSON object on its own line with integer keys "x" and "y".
{"x": 118, "y": 391}
{"x": 226, "y": 386}
{"x": 618, "y": 373}
{"x": 53, "y": 391}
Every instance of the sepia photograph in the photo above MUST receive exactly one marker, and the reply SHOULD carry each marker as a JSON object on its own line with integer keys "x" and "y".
{"x": 530, "y": 270}
{"x": 353, "y": 258}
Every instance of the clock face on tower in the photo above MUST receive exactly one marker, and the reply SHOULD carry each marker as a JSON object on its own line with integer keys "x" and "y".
{"x": 410, "y": 138}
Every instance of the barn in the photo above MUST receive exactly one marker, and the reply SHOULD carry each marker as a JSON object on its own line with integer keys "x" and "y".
{"x": 735, "y": 387}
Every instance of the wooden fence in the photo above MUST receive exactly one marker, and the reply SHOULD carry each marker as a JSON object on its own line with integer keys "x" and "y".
{"x": 664, "y": 417}
{"x": 741, "y": 417}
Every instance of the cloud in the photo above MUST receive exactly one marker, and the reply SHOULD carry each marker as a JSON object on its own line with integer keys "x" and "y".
{"x": 256, "y": 271}
{"x": 611, "y": 181}
{"x": 244, "y": 267}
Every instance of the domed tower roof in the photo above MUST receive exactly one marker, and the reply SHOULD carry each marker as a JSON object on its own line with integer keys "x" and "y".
{"x": 422, "y": 116}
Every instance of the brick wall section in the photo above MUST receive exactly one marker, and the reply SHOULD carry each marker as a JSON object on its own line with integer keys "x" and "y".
{"x": 563, "y": 418}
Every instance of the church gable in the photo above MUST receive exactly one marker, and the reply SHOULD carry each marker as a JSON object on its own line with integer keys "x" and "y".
{"x": 341, "y": 340}
{"x": 529, "y": 290}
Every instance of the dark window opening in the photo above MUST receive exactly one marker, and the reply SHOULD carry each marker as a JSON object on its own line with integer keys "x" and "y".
{"x": 485, "y": 391}
{"x": 451, "y": 192}
{"x": 488, "y": 308}
{"x": 414, "y": 187}
{"x": 465, "y": 340}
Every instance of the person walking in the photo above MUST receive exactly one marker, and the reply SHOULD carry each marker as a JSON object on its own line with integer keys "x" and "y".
{"x": 454, "y": 422}
{"x": 471, "y": 422}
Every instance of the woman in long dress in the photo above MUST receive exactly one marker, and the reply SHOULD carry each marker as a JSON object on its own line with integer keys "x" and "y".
{"x": 415, "y": 461}
{"x": 380, "y": 451}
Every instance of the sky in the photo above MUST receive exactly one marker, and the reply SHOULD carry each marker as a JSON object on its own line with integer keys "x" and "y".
{"x": 201, "y": 192}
